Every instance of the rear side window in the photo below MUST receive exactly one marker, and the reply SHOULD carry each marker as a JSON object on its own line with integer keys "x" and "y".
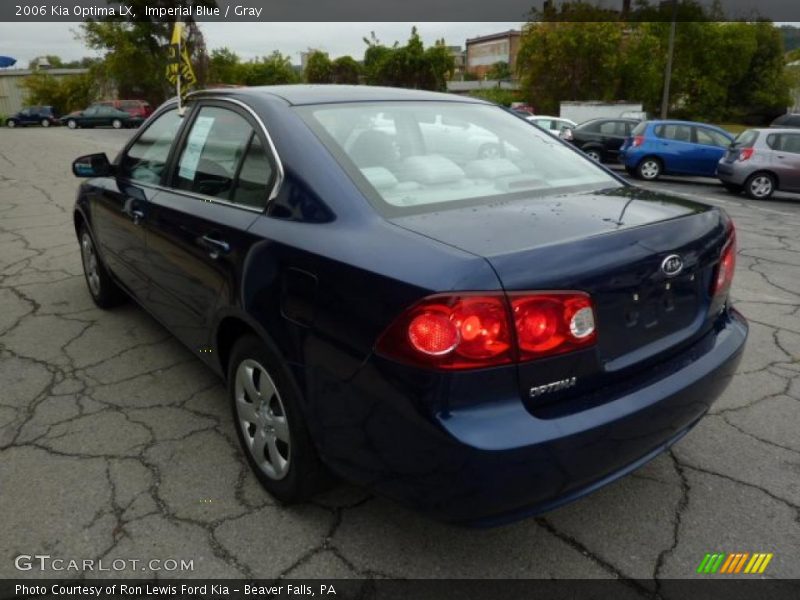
{"x": 223, "y": 157}
{"x": 147, "y": 157}
{"x": 746, "y": 139}
{"x": 709, "y": 137}
{"x": 678, "y": 133}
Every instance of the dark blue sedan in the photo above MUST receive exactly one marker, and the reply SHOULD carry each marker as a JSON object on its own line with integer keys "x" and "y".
{"x": 658, "y": 148}
{"x": 416, "y": 292}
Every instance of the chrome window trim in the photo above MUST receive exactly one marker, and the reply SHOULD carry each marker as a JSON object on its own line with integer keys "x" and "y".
{"x": 279, "y": 175}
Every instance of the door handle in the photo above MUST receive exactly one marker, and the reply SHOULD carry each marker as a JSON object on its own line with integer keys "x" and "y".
{"x": 137, "y": 216}
{"x": 214, "y": 246}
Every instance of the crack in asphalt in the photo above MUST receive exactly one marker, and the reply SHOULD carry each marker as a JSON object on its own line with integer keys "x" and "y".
{"x": 71, "y": 374}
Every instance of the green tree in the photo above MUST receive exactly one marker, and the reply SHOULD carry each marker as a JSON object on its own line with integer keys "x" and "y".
{"x": 319, "y": 68}
{"x": 346, "y": 70}
{"x": 566, "y": 60}
{"x": 409, "y": 66}
{"x": 500, "y": 71}
{"x": 135, "y": 53}
{"x": 64, "y": 93}
{"x": 224, "y": 66}
{"x": 274, "y": 69}
{"x": 54, "y": 61}
{"x": 721, "y": 70}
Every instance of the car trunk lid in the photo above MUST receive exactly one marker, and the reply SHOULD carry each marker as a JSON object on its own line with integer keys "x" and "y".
{"x": 623, "y": 247}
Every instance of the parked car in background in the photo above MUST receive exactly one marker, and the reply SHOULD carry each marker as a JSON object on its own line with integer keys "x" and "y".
{"x": 658, "y": 148}
{"x": 34, "y": 115}
{"x": 601, "y": 139}
{"x": 553, "y": 125}
{"x": 135, "y": 108}
{"x": 789, "y": 120}
{"x": 761, "y": 161}
{"x": 101, "y": 116}
{"x": 481, "y": 338}
{"x": 521, "y": 112}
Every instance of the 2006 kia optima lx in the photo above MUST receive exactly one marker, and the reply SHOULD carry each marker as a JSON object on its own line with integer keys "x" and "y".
{"x": 421, "y": 293}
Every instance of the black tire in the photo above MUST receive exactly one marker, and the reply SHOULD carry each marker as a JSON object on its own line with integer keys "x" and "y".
{"x": 104, "y": 290}
{"x": 11, "y": 123}
{"x": 760, "y": 186}
{"x": 733, "y": 188}
{"x": 649, "y": 168}
{"x": 304, "y": 473}
{"x": 72, "y": 124}
{"x": 596, "y": 154}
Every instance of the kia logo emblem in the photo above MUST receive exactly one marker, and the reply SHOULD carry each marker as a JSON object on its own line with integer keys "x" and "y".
{"x": 672, "y": 265}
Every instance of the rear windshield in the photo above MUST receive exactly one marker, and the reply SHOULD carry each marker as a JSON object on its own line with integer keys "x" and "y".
{"x": 746, "y": 139}
{"x": 130, "y": 104}
{"x": 640, "y": 128}
{"x": 414, "y": 156}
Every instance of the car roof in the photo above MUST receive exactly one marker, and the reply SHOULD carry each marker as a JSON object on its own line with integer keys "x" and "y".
{"x": 771, "y": 130}
{"x": 326, "y": 94}
{"x": 690, "y": 123}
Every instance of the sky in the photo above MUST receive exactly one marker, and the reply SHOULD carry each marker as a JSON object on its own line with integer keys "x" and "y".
{"x": 25, "y": 41}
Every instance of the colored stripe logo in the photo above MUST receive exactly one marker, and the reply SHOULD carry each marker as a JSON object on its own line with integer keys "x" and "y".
{"x": 734, "y": 563}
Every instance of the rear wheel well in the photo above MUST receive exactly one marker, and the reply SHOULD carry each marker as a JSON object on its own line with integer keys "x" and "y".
{"x": 766, "y": 172}
{"x": 78, "y": 220}
{"x": 229, "y": 330}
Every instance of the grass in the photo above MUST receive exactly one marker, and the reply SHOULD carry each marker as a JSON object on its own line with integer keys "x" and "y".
{"x": 734, "y": 128}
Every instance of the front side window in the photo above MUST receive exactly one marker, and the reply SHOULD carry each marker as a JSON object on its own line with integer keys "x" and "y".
{"x": 612, "y": 128}
{"x": 790, "y": 142}
{"x": 146, "y": 159}
{"x": 406, "y": 156}
{"x": 223, "y": 157}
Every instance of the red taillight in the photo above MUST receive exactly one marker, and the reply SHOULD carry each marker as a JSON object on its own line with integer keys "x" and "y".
{"x": 637, "y": 141}
{"x": 726, "y": 267}
{"x": 472, "y": 330}
{"x": 746, "y": 153}
{"x": 549, "y": 324}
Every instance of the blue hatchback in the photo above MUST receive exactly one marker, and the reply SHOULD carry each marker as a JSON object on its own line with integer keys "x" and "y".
{"x": 658, "y": 148}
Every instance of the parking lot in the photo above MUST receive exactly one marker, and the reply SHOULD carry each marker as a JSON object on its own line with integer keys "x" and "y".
{"x": 115, "y": 442}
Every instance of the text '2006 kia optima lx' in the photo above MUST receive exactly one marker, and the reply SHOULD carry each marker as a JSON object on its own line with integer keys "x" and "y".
{"x": 420, "y": 293}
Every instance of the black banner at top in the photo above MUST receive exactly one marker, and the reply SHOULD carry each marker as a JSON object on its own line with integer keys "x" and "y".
{"x": 394, "y": 10}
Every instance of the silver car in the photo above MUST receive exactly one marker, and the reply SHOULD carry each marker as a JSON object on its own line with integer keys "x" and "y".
{"x": 760, "y": 161}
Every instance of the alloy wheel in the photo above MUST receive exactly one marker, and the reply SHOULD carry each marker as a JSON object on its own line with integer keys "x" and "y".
{"x": 11, "y": 123}
{"x": 116, "y": 124}
{"x": 262, "y": 419}
{"x": 45, "y": 123}
{"x": 650, "y": 169}
{"x": 71, "y": 124}
{"x": 90, "y": 265}
{"x": 594, "y": 155}
{"x": 761, "y": 186}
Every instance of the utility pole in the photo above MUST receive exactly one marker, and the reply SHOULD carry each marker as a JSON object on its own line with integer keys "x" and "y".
{"x": 668, "y": 70}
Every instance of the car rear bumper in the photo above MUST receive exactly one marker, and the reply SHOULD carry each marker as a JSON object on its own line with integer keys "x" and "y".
{"x": 728, "y": 173}
{"x": 496, "y": 462}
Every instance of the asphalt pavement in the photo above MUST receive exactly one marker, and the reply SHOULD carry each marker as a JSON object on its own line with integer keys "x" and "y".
{"x": 116, "y": 443}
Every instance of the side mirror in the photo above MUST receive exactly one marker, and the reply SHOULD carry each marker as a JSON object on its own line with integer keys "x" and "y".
{"x": 92, "y": 165}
